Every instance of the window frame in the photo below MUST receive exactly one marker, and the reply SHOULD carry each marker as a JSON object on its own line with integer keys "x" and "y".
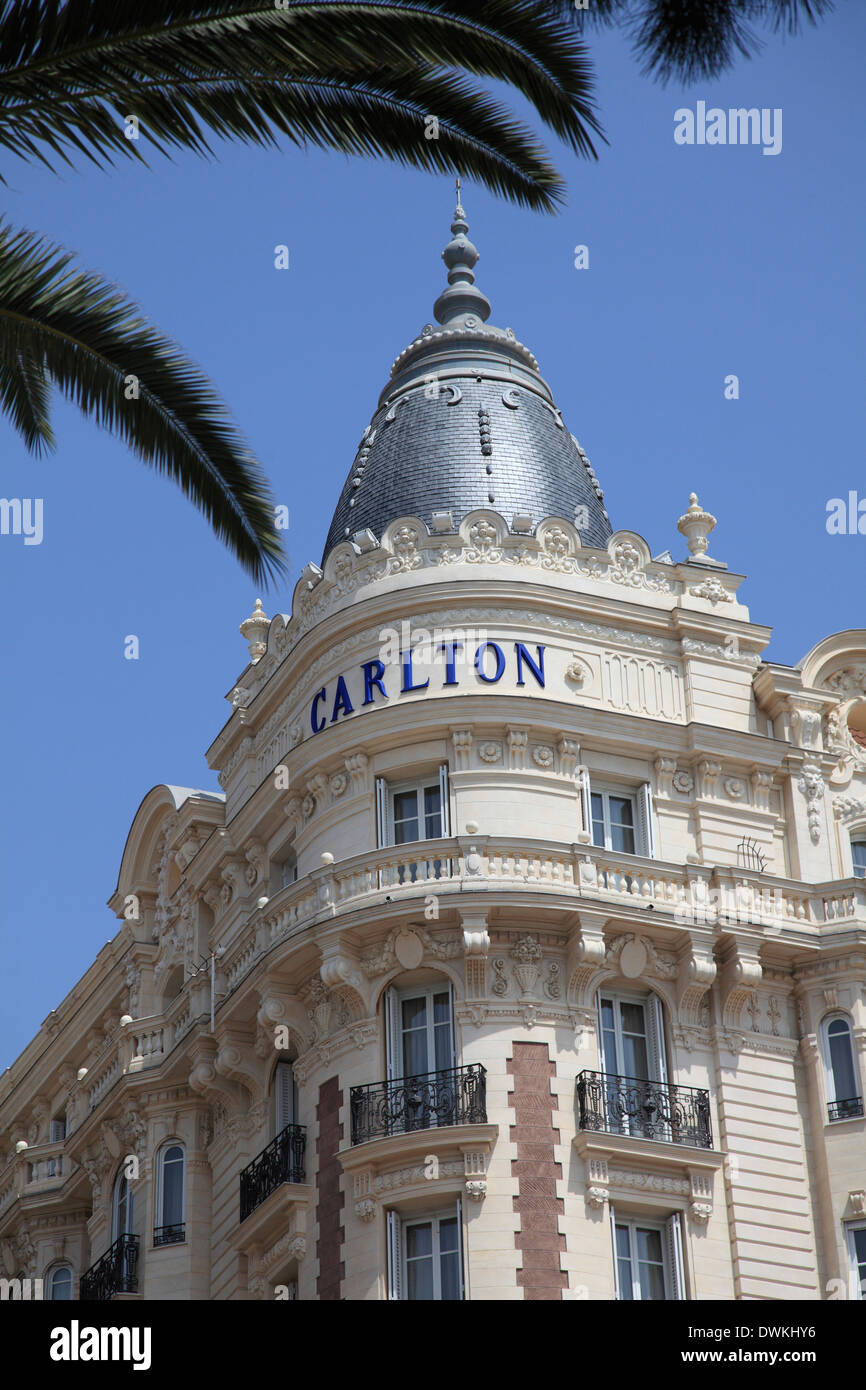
{"x": 279, "y": 1108}
{"x": 857, "y": 837}
{"x": 838, "y": 1015}
{"x": 643, "y": 813}
{"x": 61, "y": 1268}
{"x": 159, "y": 1204}
{"x": 386, "y": 792}
{"x": 397, "y": 1262}
{"x": 673, "y": 1258}
{"x": 121, "y": 1181}
{"x": 394, "y": 999}
{"x": 857, "y": 1289}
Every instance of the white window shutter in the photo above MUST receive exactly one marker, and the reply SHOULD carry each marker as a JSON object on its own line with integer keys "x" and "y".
{"x": 444, "y": 801}
{"x": 676, "y": 1268}
{"x": 598, "y": 1033}
{"x": 656, "y": 1040}
{"x": 395, "y": 1256}
{"x": 393, "y": 1035}
{"x": 285, "y": 1094}
{"x": 617, "y": 1293}
{"x": 585, "y": 803}
{"x": 453, "y": 1025}
{"x": 381, "y": 812}
{"x": 646, "y": 831}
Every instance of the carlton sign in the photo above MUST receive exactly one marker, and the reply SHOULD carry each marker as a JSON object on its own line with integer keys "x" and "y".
{"x": 452, "y": 662}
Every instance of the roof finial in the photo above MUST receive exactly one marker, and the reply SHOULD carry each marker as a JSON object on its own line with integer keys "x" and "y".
{"x": 463, "y": 304}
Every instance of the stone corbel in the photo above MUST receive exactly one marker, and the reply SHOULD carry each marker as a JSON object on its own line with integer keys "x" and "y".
{"x": 697, "y": 973}
{"x": 475, "y": 1170}
{"x": 741, "y": 974}
{"x": 240, "y": 1065}
{"x": 341, "y": 974}
{"x": 569, "y": 755}
{"x": 279, "y": 1009}
{"x": 586, "y": 955}
{"x": 708, "y": 775}
{"x": 476, "y": 944}
{"x": 664, "y": 770}
{"x": 597, "y": 1182}
{"x": 700, "y": 1196}
{"x": 206, "y": 1081}
{"x": 857, "y": 1203}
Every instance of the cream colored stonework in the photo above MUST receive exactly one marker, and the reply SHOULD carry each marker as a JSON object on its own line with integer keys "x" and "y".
{"x": 653, "y": 674}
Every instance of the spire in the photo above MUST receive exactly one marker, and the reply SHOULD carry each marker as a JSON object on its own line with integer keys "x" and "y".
{"x": 463, "y": 300}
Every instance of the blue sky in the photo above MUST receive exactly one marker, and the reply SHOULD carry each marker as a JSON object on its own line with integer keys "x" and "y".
{"x": 704, "y": 261}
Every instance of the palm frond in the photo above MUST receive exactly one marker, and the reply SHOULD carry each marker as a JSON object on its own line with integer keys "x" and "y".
{"x": 79, "y": 332}
{"x": 692, "y": 40}
{"x": 70, "y": 74}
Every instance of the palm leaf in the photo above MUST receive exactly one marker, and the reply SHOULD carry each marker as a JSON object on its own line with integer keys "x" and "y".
{"x": 77, "y": 331}
{"x": 70, "y": 74}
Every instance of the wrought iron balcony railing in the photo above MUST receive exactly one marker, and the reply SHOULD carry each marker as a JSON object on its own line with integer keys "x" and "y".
{"x": 456, "y": 1096}
{"x": 169, "y": 1235}
{"x": 282, "y": 1161}
{"x": 116, "y": 1272}
{"x": 644, "y": 1109}
{"x": 850, "y": 1109}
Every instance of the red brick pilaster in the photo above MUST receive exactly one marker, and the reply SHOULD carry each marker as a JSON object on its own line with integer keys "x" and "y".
{"x": 330, "y": 1199}
{"x": 536, "y": 1170}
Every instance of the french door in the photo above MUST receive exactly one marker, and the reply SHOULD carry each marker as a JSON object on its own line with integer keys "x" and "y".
{"x": 632, "y": 1060}
{"x": 421, "y": 1055}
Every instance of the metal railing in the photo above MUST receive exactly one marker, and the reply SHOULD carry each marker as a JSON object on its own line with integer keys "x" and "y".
{"x": 644, "y": 1109}
{"x": 116, "y": 1272}
{"x": 282, "y": 1161}
{"x": 169, "y": 1235}
{"x": 456, "y": 1096}
{"x": 850, "y": 1109}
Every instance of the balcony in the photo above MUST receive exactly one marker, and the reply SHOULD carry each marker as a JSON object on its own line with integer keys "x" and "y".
{"x": 644, "y": 1109}
{"x": 850, "y": 1109}
{"x": 281, "y": 1162}
{"x": 435, "y": 1099}
{"x": 169, "y": 1235}
{"x": 115, "y": 1273}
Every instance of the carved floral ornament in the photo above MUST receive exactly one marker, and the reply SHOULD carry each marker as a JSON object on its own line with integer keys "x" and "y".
{"x": 482, "y": 537}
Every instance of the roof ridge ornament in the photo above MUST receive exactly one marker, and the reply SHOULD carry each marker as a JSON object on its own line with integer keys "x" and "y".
{"x": 463, "y": 304}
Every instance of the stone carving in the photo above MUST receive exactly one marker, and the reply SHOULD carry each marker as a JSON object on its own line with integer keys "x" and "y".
{"x": 490, "y": 752}
{"x": 461, "y": 741}
{"x": 712, "y": 590}
{"x": 847, "y": 808}
{"x": 378, "y": 960}
{"x": 577, "y": 673}
{"x": 806, "y": 724}
{"x": 569, "y": 756}
{"x": 483, "y": 549}
{"x": 734, "y": 787}
{"x": 338, "y": 784}
{"x": 542, "y": 755}
{"x": 500, "y": 984}
{"x": 406, "y": 557}
{"x": 761, "y": 784}
{"x": 811, "y": 784}
{"x": 517, "y": 741}
{"x": 526, "y": 953}
{"x": 476, "y": 1189}
{"x": 683, "y": 781}
{"x": 552, "y": 986}
{"x": 661, "y": 964}
{"x": 649, "y": 1182}
{"x": 366, "y": 1209}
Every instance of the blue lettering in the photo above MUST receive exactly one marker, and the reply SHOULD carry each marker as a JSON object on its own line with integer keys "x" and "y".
{"x": 450, "y": 649}
{"x": 371, "y": 679}
{"x": 479, "y": 662}
{"x": 407, "y": 674}
{"x": 523, "y": 655}
{"x": 342, "y": 703}
{"x": 314, "y": 712}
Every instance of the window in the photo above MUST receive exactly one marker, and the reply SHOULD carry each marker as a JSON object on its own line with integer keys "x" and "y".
{"x": 60, "y": 1283}
{"x": 57, "y": 1130}
{"x": 410, "y": 811}
{"x": 844, "y": 1101}
{"x": 619, "y": 818}
{"x": 632, "y": 1061}
{"x": 425, "y": 1257}
{"x": 285, "y": 1090}
{"x": 857, "y": 1253}
{"x": 121, "y": 1207}
{"x": 858, "y": 855}
{"x": 420, "y": 1030}
{"x": 648, "y": 1258}
{"x": 289, "y": 870}
{"x": 169, "y": 1228}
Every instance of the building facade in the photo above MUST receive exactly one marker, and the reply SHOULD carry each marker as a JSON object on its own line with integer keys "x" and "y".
{"x": 522, "y": 954}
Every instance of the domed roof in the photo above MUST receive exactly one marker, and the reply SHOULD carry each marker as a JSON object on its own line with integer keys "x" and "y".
{"x": 467, "y": 421}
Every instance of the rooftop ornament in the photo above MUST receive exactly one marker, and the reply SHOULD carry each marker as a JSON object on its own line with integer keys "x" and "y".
{"x": 696, "y": 525}
{"x": 255, "y": 630}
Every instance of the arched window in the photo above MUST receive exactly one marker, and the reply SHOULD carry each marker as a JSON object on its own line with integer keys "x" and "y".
{"x": 858, "y": 855}
{"x": 121, "y": 1207}
{"x": 169, "y": 1228}
{"x": 59, "y": 1283}
{"x": 843, "y": 1090}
